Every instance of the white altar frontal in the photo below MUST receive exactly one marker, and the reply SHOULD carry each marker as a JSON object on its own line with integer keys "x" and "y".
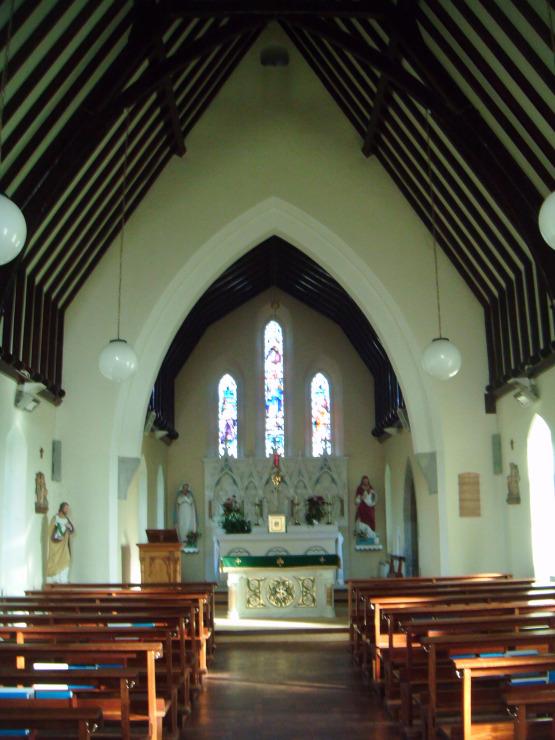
{"x": 321, "y": 539}
{"x": 282, "y": 586}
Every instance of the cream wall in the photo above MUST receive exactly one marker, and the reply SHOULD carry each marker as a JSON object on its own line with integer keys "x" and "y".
{"x": 273, "y": 154}
{"x": 312, "y": 343}
{"x": 23, "y": 534}
{"x": 398, "y": 453}
{"x": 514, "y": 424}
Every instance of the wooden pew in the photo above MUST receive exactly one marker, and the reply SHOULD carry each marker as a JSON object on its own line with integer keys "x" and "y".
{"x": 16, "y": 656}
{"x": 470, "y": 669}
{"x": 368, "y": 617}
{"x": 80, "y": 600}
{"x": 82, "y": 722}
{"x": 171, "y": 620}
{"x": 372, "y": 638}
{"x": 449, "y": 645}
{"x": 523, "y": 699}
{"x": 206, "y": 587}
{"x": 380, "y": 584}
{"x": 171, "y": 684}
{"x": 411, "y": 671}
{"x": 189, "y": 608}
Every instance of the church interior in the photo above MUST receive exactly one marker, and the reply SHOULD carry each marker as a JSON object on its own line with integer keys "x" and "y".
{"x": 272, "y": 251}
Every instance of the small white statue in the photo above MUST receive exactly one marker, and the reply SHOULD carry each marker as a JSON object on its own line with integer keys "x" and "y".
{"x": 185, "y": 512}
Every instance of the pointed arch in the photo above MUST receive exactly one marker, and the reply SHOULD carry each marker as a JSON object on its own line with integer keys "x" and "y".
{"x": 542, "y": 497}
{"x": 227, "y": 416}
{"x": 320, "y": 415}
{"x": 274, "y": 392}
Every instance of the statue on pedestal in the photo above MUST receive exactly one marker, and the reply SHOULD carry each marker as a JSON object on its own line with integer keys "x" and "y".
{"x": 185, "y": 512}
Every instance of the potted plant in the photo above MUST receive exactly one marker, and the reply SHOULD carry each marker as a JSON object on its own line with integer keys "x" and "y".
{"x": 233, "y": 520}
{"x": 315, "y": 509}
{"x": 192, "y": 538}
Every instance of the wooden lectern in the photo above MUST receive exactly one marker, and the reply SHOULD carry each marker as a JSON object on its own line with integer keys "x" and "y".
{"x": 160, "y": 557}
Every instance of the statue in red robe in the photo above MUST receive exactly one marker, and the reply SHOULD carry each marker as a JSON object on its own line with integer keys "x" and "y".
{"x": 365, "y": 517}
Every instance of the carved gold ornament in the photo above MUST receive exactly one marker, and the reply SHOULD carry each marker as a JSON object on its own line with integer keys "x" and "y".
{"x": 281, "y": 593}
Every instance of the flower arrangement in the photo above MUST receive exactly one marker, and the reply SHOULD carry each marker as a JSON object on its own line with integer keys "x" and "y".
{"x": 233, "y": 520}
{"x": 315, "y": 509}
{"x": 192, "y": 538}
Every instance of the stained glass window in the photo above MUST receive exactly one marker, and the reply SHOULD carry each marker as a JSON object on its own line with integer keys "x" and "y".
{"x": 227, "y": 415}
{"x": 321, "y": 415}
{"x": 273, "y": 389}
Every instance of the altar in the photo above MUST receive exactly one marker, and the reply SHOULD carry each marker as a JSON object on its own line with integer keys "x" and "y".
{"x": 251, "y": 486}
{"x": 300, "y": 540}
{"x": 263, "y": 586}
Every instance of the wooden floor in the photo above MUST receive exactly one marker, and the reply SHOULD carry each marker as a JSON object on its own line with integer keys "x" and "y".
{"x": 301, "y": 689}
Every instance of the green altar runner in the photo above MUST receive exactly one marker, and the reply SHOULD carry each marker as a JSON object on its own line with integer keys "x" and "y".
{"x": 270, "y": 586}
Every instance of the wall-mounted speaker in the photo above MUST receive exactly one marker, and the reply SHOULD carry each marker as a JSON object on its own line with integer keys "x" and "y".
{"x": 57, "y": 459}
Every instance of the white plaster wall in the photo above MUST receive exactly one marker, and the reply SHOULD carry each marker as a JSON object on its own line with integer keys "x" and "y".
{"x": 514, "y": 424}
{"x": 398, "y": 451}
{"x": 23, "y": 536}
{"x": 281, "y": 142}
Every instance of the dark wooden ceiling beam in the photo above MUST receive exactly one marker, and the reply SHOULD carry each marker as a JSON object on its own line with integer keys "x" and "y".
{"x": 178, "y": 61}
{"x": 273, "y": 8}
{"x": 166, "y": 97}
{"x": 485, "y": 153}
{"x": 393, "y": 71}
{"x": 403, "y": 10}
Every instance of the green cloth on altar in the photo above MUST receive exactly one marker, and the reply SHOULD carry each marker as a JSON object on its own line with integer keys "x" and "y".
{"x": 278, "y": 561}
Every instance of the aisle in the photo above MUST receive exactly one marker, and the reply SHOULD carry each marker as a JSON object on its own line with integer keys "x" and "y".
{"x": 303, "y": 688}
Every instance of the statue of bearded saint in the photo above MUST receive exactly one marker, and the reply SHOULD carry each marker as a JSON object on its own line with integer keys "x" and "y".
{"x": 185, "y": 512}
{"x": 365, "y": 517}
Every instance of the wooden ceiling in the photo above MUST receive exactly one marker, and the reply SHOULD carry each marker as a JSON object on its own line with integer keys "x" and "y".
{"x": 483, "y": 68}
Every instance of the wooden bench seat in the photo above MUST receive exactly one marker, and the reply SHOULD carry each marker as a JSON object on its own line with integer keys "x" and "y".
{"x": 80, "y": 722}
{"x": 470, "y": 669}
{"x": 15, "y": 656}
{"x": 527, "y": 700}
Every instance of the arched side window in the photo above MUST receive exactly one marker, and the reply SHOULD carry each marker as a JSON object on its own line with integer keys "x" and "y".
{"x": 274, "y": 430}
{"x": 227, "y": 416}
{"x": 542, "y": 498}
{"x": 320, "y": 406}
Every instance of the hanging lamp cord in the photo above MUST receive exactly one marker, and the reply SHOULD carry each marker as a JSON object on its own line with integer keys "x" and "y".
{"x": 4, "y": 79}
{"x": 433, "y": 214}
{"x": 123, "y": 212}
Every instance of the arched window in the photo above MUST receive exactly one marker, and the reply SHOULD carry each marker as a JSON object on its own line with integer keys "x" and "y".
{"x": 227, "y": 416}
{"x": 542, "y": 498}
{"x": 320, "y": 415}
{"x": 273, "y": 389}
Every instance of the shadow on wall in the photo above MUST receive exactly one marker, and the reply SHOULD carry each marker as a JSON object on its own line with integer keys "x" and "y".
{"x": 126, "y": 563}
{"x": 44, "y": 544}
{"x": 412, "y": 567}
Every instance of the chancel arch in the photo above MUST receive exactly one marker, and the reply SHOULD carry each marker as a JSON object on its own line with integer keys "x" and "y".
{"x": 313, "y": 239}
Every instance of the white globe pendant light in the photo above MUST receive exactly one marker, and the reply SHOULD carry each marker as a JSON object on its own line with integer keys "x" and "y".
{"x": 118, "y": 360}
{"x": 13, "y": 230}
{"x": 546, "y": 220}
{"x": 441, "y": 359}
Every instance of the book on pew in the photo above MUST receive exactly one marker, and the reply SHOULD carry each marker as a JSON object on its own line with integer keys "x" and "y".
{"x": 53, "y": 694}
{"x": 13, "y": 692}
{"x": 50, "y": 666}
{"x": 15, "y": 733}
{"x": 50, "y": 686}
